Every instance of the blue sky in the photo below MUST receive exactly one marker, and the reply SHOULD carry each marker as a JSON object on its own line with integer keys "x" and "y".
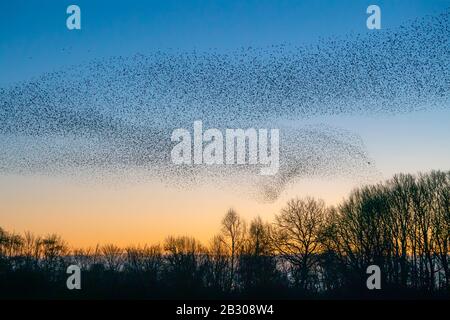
{"x": 34, "y": 37}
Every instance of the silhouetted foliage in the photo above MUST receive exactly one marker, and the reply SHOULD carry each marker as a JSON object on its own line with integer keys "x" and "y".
{"x": 310, "y": 250}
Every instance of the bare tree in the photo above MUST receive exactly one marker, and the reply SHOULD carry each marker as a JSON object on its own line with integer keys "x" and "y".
{"x": 147, "y": 259}
{"x": 185, "y": 262}
{"x": 54, "y": 249}
{"x": 113, "y": 257}
{"x": 296, "y": 235}
{"x": 257, "y": 264}
{"x": 439, "y": 184}
{"x": 400, "y": 223}
{"x": 32, "y": 246}
{"x": 258, "y": 242}
{"x": 218, "y": 275}
{"x": 233, "y": 236}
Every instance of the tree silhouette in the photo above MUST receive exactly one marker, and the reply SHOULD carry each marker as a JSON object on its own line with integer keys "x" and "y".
{"x": 233, "y": 236}
{"x": 309, "y": 250}
{"x": 296, "y": 236}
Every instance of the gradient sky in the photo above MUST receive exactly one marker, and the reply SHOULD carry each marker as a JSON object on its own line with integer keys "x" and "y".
{"x": 34, "y": 39}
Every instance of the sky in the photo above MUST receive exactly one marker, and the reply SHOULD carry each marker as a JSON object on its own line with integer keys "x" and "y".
{"x": 134, "y": 205}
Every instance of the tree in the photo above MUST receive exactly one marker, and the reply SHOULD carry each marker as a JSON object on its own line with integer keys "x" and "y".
{"x": 185, "y": 269}
{"x": 439, "y": 183}
{"x": 361, "y": 237}
{"x": 54, "y": 249}
{"x": 400, "y": 224}
{"x": 233, "y": 236}
{"x": 258, "y": 272}
{"x": 113, "y": 257}
{"x": 218, "y": 271}
{"x": 296, "y": 235}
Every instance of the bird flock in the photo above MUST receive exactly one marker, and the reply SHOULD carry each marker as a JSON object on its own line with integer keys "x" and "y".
{"x": 116, "y": 114}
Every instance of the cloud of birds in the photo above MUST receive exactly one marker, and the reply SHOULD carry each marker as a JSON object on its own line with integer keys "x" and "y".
{"x": 118, "y": 113}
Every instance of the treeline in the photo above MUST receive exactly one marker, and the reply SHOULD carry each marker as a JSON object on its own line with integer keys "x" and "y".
{"x": 308, "y": 251}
